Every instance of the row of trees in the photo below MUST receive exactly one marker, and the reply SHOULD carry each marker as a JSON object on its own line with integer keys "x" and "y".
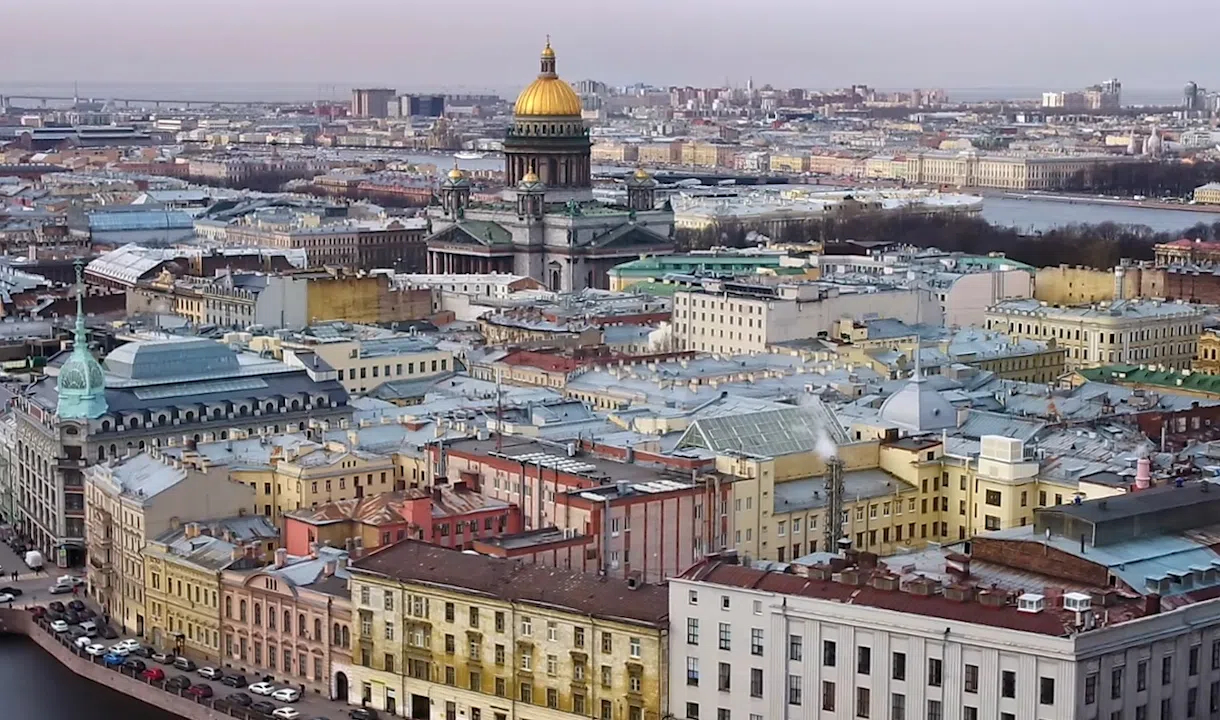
{"x": 1153, "y": 179}
{"x": 1101, "y": 245}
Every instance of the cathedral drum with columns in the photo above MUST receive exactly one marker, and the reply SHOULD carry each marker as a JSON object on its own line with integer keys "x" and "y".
{"x": 547, "y": 224}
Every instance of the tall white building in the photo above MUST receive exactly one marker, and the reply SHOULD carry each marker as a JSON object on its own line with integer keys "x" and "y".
{"x": 928, "y": 636}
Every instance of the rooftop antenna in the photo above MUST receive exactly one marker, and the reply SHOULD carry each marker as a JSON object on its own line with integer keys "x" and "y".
{"x": 500, "y": 410}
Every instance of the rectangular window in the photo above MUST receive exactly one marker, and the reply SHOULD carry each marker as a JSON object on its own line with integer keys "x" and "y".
{"x": 935, "y": 676}
{"x": 1141, "y": 676}
{"x": 934, "y": 710}
{"x": 756, "y": 641}
{"x": 1116, "y": 683}
{"x": 972, "y": 678}
{"x": 692, "y": 671}
{"x": 794, "y": 647}
{"x": 864, "y": 660}
{"x": 1166, "y": 669}
{"x": 1008, "y": 684}
{"x": 900, "y": 666}
{"x": 898, "y": 706}
{"x": 692, "y": 631}
{"x": 828, "y": 696}
{"x": 828, "y": 653}
{"x": 726, "y": 632}
{"x": 1090, "y": 689}
{"x": 756, "y": 682}
{"x": 994, "y": 498}
{"x": 794, "y": 689}
{"x": 1046, "y": 691}
{"x": 862, "y": 702}
{"x": 724, "y": 677}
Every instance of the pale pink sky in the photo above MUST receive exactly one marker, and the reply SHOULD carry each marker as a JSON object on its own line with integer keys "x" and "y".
{"x": 479, "y": 44}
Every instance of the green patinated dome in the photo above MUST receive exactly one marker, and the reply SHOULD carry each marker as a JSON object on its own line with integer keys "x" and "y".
{"x": 81, "y": 385}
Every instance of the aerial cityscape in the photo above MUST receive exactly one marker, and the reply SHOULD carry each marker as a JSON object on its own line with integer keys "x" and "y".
{"x": 633, "y": 363}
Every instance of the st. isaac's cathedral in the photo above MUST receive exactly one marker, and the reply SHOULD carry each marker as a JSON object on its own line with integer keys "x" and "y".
{"x": 547, "y": 224}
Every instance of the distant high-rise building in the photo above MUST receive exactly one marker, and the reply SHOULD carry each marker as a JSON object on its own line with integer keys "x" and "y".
{"x": 372, "y": 102}
{"x": 423, "y": 105}
{"x": 1190, "y": 100}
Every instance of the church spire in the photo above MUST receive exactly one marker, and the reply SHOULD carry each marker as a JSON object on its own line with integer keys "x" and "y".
{"x": 78, "y": 336}
{"x": 81, "y": 386}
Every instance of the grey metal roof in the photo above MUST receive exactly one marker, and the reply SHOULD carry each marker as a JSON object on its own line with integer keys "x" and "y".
{"x": 171, "y": 358}
{"x": 768, "y": 432}
{"x": 810, "y": 493}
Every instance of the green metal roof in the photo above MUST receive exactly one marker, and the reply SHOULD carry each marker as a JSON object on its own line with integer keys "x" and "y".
{"x": 658, "y": 265}
{"x": 1169, "y": 379}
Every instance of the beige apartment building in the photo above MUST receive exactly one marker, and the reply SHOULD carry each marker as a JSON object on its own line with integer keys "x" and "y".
{"x": 365, "y": 357}
{"x": 738, "y": 319}
{"x": 129, "y": 501}
{"x": 1125, "y": 331}
{"x": 708, "y": 154}
{"x": 1208, "y": 194}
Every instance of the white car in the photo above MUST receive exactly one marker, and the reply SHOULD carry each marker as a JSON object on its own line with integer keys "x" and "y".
{"x": 70, "y": 580}
{"x": 211, "y": 673}
{"x": 262, "y": 688}
{"x": 129, "y": 645}
{"x": 120, "y": 649}
{"x": 288, "y": 695}
{"x": 59, "y": 626}
{"x": 83, "y": 641}
{"x": 96, "y": 649}
{"x": 5, "y": 597}
{"x": 286, "y": 713}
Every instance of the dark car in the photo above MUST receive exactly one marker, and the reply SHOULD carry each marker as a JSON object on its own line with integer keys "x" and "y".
{"x": 262, "y": 706}
{"x": 72, "y": 617}
{"x": 15, "y": 592}
{"x": 134, "y": 665}
{"x": 239, "y": 699}
{"x": 235, "y": 681}
{"x": 38, "y": 611}
{"x": 178, "y": 682}
{"x": 76, "y": 631}
{"x": 52, "y": 616}
{"x": 108, "y": 632}
{"x": 363, "y": 713}
{"x": 57, "y": 606}
{"x": 143, "y": 651}
{"x": 76, "y": 605}
{"x": 87, "y": 613}
{"x": 200, "y": 691}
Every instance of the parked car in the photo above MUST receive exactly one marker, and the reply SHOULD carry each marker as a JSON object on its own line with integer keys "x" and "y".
{"x": 131, "y": 645}
{"x": 58, "y": 589}
{"x": 76, "y": 605}
{"x": 153, "y": 674}
{"x": 135, "y": 665}
{"x": 57, "y": 606}
{"x": 89, "y": 628}
{"x": 69, "y": 580}
{"x": 210, "y": 673}
{"x": 239, "y": 699}
{"x": 15, "y": 592}
{"x": 236, "y": 680}
{"x": 119, "y": 649}
{"x": 200, "y": 691}
{"x": 87, "y": 613}
{"x": 362, "y": 713}
{"x": 185, "y": 664}
{"x": 178, "y": 682}
{"x": 108, "y": 632}
{"x": 262, "y": 706}
{"x": 72, "y": 617}
{"x": 38, "y": 611}
{"x": 6, "y": 598}
{"x": 286, "y": 713}
{"x": 59, "y": 626}
{"x": 262, "y": 688}
{"x": 288, "y": 695}
{"x": 96, "y": 649}
{"x": 113, "y": 660}
{"x": 143, "y": 651}
{"x": 76, "y": 632}
{"x": 83, "y": 642}
{"x": 165, "y": 658}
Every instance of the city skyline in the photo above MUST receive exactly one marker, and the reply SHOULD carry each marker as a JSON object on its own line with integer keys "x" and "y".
{"x": 782, "y": 42}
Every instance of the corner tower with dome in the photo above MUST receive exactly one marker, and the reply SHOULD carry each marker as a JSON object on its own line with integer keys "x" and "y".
{"x": 547, "y": 224}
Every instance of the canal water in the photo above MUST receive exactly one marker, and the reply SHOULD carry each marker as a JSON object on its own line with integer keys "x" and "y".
{"x": 34, "y": 685}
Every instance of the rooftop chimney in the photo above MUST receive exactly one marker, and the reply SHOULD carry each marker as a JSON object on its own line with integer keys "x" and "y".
{"x": 313, "y": 550}
{"x": 328, "y": 569}
{"x": 1143, "y": 474}
{"x": 281, "y": 558}
{"x": 1152, "y": 604}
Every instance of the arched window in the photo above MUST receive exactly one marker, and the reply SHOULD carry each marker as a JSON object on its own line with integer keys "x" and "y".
{"x": 337, "y": 640}
{"x": 317, "y": 629}
{"x": 301, "y": 624}
{"x": 216, "y": 413}
{"x": 287, "y": 622}
{"x": 101, "y": 452}
{"x": 241, "y": 611}
{"x": 229, "y": 606}
{"x": 347, "y": 637}
{"x": 270, "y": 407}
{"x": 258, "y": 614}
{"x": 105, "y": 426}
{"x": 270, "y": 619}
{"x": 296, "y": 404}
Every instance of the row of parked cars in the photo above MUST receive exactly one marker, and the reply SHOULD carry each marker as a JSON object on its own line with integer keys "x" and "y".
{"x": 129, "y": 655}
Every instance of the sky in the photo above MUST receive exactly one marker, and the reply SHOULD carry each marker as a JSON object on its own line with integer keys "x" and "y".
{"x": 481, "y": 45}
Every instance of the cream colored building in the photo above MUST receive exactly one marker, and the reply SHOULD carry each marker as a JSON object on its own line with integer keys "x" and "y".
{"x": 129, "y": 501}
{"x": 1126, "y": 331}
{"x": 366, "y": 356}
{"x": 1008, "y": 172}
{"x": 750, "y": 319}
{"x": 1208, "y": 194}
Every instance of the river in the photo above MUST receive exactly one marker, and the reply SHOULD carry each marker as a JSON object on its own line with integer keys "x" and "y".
{"x": 34, "y": 685}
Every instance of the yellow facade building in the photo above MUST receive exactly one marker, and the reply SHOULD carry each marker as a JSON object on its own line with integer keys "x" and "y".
{"x": 1208, "y": 194}
{"x": 183, "y": 568}
{"x": 1077, "y": 285}
{"x": 441, "y": 633}
{"x": 1208, "y": 359}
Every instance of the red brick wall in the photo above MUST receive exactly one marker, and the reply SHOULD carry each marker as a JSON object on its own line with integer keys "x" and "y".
{"x": 1039, "y": 558}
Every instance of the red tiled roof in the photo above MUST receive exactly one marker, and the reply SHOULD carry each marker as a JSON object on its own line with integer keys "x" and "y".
{"x": 1048, "y": 622}
{"x": 412, "y": 561}
{"x": 1188, "y": 243}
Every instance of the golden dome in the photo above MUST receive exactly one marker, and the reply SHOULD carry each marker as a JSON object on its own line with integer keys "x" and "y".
{"x": 641, "y": 174}
{"x": 548, "y": 95}
{"x": 530, "y": 178}
{"x": 455, "y": 173}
